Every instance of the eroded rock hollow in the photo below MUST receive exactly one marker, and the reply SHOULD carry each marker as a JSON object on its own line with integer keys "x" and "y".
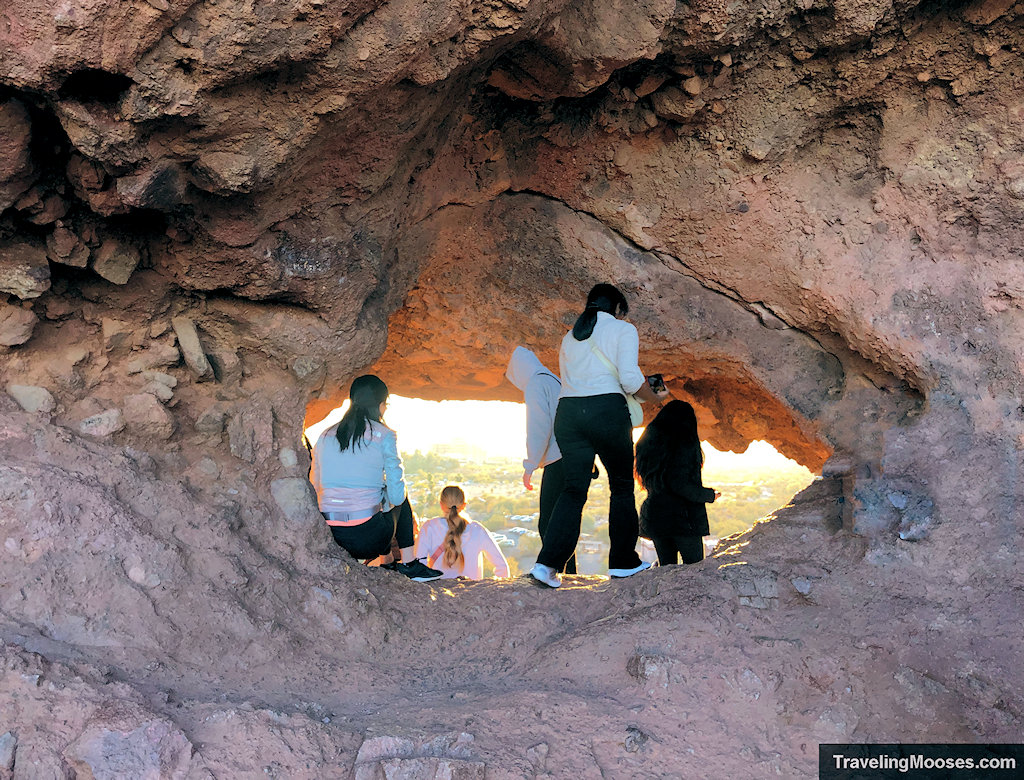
{"x": 214, "y": 214}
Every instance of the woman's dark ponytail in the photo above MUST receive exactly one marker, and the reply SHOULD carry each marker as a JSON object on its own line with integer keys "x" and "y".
{"x": 367, "y": 393}
{"x": 603, "y": 297}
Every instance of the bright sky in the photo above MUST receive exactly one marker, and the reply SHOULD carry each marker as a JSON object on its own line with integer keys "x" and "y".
{"x": 499, "y": 428}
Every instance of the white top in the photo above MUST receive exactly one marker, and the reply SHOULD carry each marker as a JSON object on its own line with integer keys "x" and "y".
{"x": 476, "y": 543}
{"x": 583, "y": 372}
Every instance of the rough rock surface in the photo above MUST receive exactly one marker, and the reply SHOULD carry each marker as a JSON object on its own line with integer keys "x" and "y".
{"x": 221, "y": 212}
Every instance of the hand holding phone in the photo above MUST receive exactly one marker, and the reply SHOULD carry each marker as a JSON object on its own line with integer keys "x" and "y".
{"x": 657, "y": 383}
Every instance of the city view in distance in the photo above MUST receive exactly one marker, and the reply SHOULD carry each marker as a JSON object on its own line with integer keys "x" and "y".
{"x": 480, "y": 445}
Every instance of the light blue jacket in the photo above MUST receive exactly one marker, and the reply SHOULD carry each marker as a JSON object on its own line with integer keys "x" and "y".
{"x": 361, "y": 477}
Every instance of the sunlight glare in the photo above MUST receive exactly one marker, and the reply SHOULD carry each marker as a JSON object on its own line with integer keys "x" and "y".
{"x": 498, "y": 429}
{"x": 492, "y": 428}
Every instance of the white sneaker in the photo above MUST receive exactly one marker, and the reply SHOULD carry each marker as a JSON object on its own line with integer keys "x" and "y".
{"x": 618, "y": 573}
{"x": 545, "y": 575}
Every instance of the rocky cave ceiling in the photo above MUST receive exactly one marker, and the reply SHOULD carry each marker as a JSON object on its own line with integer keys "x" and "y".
{"x": 815, "y": 207}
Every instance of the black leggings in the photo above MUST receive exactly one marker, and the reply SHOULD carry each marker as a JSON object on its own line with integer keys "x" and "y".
{"x": 690, "y": 547}
{"x": 585, "y": 427}
{"x": 373, "y": 538}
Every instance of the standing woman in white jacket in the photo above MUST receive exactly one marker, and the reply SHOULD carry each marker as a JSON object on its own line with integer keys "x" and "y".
{"x": 593, "y": 419}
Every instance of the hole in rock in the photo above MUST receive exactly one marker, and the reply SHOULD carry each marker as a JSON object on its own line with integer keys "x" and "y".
{"x": 95, "y": 86}
{"x": 480, "y": 445}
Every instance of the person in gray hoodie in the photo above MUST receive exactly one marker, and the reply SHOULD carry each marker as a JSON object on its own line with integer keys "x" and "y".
{"x": 540, "y": 388}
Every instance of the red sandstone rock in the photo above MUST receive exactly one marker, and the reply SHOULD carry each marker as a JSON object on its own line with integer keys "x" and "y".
{"x": 115, "y": 261}
{"x": 16, "y": 169}
{"x": 827, "y": 258}
{"x": 16, "y": 325}
{"x": 64, "y": 246}
{"x": 24, "y": 271}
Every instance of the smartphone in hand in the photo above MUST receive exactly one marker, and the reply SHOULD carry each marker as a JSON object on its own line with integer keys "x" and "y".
{"x": 657, "y": 383}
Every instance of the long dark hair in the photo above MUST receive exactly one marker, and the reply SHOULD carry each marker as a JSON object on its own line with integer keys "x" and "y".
{"x": 367, "y": 393}
{"x": 671, "y": 438}
{"x": 603, "y": 297}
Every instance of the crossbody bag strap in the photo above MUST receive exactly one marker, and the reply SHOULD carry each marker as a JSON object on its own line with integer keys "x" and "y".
{"x": 604, "y": 359}
{"x": 434, "y": 556}
{"x": 636, "y": 412}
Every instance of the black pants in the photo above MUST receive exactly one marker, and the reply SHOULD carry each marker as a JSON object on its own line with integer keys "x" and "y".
{"x": 551, "y": 485}
{"x": 585, "y": 427}
{"x": 690, "y": 547}
{"x": 373, "y": 538}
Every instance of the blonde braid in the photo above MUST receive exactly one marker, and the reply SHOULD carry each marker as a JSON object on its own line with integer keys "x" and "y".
{"x": 453, "y": 497}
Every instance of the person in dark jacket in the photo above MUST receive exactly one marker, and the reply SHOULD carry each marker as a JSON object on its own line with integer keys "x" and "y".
{"x": 668, "y": 464}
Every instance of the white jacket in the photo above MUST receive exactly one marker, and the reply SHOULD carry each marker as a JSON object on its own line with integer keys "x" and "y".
{"x": 541, "y": 389}
{"x": 585, "y": 374}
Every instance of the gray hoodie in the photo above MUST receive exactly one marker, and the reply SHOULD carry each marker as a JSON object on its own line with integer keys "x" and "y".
{"x": 540, "y": 393}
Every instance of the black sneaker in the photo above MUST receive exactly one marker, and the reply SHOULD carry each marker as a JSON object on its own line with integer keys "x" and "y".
{"x": 418, "y": 571}
{"x": 393, "y": 566}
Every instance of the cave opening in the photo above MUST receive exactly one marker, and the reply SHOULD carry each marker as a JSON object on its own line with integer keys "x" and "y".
{"x": 93, "y": 85}
{"x": 480, "y": 445}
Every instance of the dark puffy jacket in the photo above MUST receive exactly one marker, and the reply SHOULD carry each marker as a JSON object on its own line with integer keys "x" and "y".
{"x": 680, "y": 509}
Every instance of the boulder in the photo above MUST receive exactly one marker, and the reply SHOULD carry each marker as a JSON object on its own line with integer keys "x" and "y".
{"x": 115, "y": 261}
{"x": 160, "y": 186}
{"x": 693, "y": 85}
{"x": 40, "y": 207}
{"x": 64, "y": 246}
{"x": 16, "y": 325}
{"x": 117, "y": 334}
{"x": 159, "y": 390}
{"x": 650, "y": 84}
{"x": 672, "y": 103}
{"x": 104, "y": 424}
{"x": 24, "y": 271}
{"x": 226, "y": 364}
{"x": 211, "y": 420}
{"x": 154, "y": 356}
{"x": 147, "y": 417}
{"x": 154, "y": 748}
{"x": 16, "y": 169}
{"x": 191, "y": 348}
{"x": 224, "y": 172}
{"x": 160, "y": 384}
{"x": 296, "y": 499}
{"x": 31, "y": 398}
{"x": 8, "y": 748}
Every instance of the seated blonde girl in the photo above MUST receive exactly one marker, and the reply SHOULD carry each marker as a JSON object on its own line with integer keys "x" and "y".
{"x": 456, "y": 545}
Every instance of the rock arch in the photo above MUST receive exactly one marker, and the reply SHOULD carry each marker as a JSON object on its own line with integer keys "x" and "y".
{"x": 817, "y": 214}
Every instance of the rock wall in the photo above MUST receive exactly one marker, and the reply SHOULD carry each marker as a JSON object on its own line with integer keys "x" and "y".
{"x": 214, "y": 214}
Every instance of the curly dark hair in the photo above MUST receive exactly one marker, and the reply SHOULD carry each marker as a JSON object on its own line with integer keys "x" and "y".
{"x": 671, "y": 438}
